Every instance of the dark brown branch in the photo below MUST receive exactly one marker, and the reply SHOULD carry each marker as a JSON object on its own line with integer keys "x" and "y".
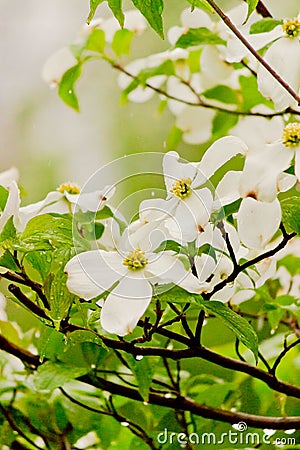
{"x": 286, "y": 349}
{"x": 262, "y": 10}
{"x": 33, "y": 307}
{"x": 286, "y": 238}
{"x": 239, "y": 35}
{"x": 187, "y": 404}
{"x": 23, "y": 279}
{"x": 200, "y": 102}
{"x": 24, "y": 355}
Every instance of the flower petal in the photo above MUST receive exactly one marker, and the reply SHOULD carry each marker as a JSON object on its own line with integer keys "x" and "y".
{"x": 167, "y": 268}
{"x": 218, "y": 154}
{"x": 94, "y": 272}
{"x": 227, "y": 190}
{"x": 8, "y": 176}
{"x": 258, "y": 221}
{"x": 284, "y": 57}
{"x": 175, "y": 170}
{"x": 11, "y": 207}
{"x": 125, "y": 305}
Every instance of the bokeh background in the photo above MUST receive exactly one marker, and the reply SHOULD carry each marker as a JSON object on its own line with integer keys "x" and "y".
{"x": 39, "y": 134}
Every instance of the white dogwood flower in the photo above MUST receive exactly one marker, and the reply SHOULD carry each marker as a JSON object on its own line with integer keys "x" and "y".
{"x": 135, "y": 269}
{"x": 67, "y": 199}
{"x": 284, "y": 57}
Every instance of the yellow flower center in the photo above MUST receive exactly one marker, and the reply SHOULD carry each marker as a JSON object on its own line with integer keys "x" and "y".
{"x": 70, "y": 188}
{"x": 182, "y": 188}
{"x": 291, "y": 28}
{"x": 135, "y": 260}
{"x": 291, "y": 134}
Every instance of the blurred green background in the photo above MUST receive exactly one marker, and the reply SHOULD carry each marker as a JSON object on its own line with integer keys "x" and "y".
{"x": 45, "y": 139}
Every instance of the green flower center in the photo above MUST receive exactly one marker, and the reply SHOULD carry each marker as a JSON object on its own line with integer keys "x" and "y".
{"x": 291, "y": 28}
{"x": 135, "y": 260}
{"x": 70, "y": 188}
{"x": 182, "y": 188}
{"x": 291, "y": 134}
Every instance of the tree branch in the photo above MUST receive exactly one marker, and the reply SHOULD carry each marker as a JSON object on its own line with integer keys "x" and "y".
{"x": 187, "y": 404}
{"x": 200, "y": 102}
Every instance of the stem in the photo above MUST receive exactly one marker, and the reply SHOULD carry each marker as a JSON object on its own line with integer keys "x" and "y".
{"x": 237, "y": 33}
{"x": 200, "y": 102}
{"x": 286, "y": 349}
{"x": 186, "y": 404}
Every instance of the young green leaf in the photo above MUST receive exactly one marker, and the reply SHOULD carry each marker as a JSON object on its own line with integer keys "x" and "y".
{"x": 7, "y": 260}
{"x": 96, "y": 41}
{"x": 122, "y": 41}
{"x": 115, "y": 6}
{"x": 152, "y": 11}
{"x": 265, "y": 25}
{"x": 223, "y": 94}
{"x": 175, "y": 294}
{"x": 202, "y": 4}
{"x": 251, "y": 7}
{"x": 291, "y": 214}
{"x": 51, "y": 375}
{"x": 199, "y": 36}
{"x": 3, "y": 197}
{"x": 237, "y": 324}
{"x": 66, "y": 86}
{"x": 143, "y": 372}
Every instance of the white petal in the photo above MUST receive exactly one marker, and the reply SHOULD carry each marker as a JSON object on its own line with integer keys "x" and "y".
{"x": 258, "y": 221}
{"x": 11, "y": 207}
{"x": 205, "y": 266}
{"x": 156, "y": 208}
{"x": 227, "y": 190}
{"x": 167, "y": 268}
{"x": 8, "y": 176}
{"x": 175, "y": 170}
{"x": 91, "y": 201}
{"x": 262, "y": 169}
{"x": 213, "y": 69}
{"x": 285, "y": 182}
{"x": 284, "y": 57}
{"x": 94, "y": 272}
{"x": 125, "y": 305}
{"x": 256, "y": 131}
{"x": 57, "y": 65}
{"x": 195, "y": 19}
{"x": 219, "y": 153}
{"x": 195, "y": 123}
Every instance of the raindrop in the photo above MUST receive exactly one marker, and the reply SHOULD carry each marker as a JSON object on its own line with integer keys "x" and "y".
{"x": 139, "y": 357}
{"x": 125, "y": 424}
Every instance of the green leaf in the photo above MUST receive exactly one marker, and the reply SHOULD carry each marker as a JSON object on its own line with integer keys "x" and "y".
{"x": 169, "y": 245}
{"x": 291, "y": 263}
{"x": 251, "y": 7}
{"x": 174, "y": 138}
{"x": 51, "y": 375}
{"x": 166, "y": 68}
{"x": 96, "y": 41}
{"x": 115, "y": 6}
{"x": 143, "y": 372}
{"x": 93, "y": 6}
{"x": 223, "y": 94}
{"x": 222, "y": 123}
{"x": 54, "y": 231}
{"x": 7, "y": 260}
{"x": 104, "y": 213}
{"x": 264, "y": 25}
{"x": 122, "y": 41}
{"x": 66, "y": 86}
{"x": 3, "y": 197}
{"x": 174, "y": 294}
{"x": 50, "y": 343}
{"x": 251, "y": 95}
{"x": 199, "y": 36}
{"x": 291, "y": 214}
{"x": 80, "y": 336}
{"x": 202, "y": 4}
{"x": 9, "y": 230}
{"x": 40, "y": 261}
{"x": 237, "y": 324}
{"x": 152, "y": 11}
{"x": 56, "y": 291}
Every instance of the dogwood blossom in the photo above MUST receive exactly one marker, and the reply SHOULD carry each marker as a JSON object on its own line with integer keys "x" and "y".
{"x": 135, "y": 269}
{"x": 66, "y": 199}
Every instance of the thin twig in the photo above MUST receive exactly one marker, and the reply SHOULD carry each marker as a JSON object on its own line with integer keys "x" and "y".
{"x": 251, "y": 49}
